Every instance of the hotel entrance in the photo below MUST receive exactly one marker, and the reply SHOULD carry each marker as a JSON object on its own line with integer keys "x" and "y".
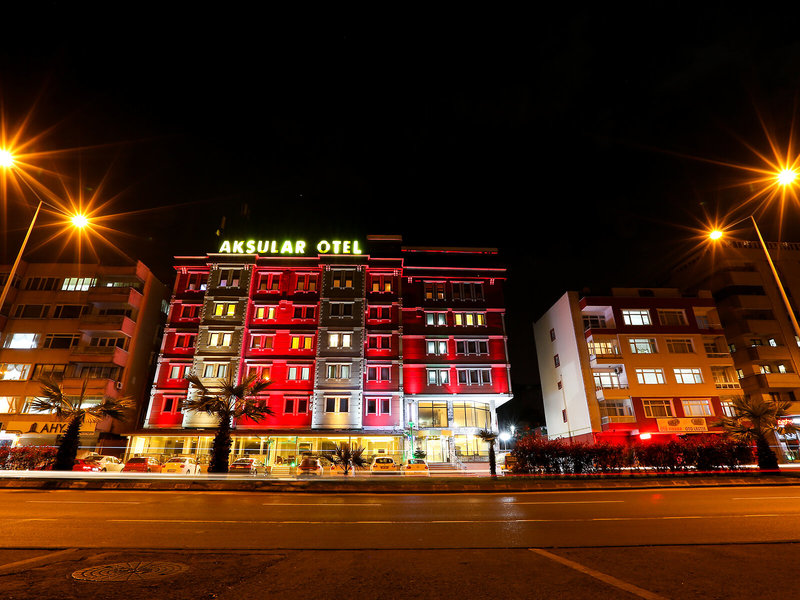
{"x": 437, "y": 448}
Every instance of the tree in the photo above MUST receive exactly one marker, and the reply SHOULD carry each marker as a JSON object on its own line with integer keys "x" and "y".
{"x": 76, "y": 409}
{"x": 227, "y": 401}
{"x": 348, "y": 457}
{"x": 487, "y": 435}
{"x": 757, "y": 420}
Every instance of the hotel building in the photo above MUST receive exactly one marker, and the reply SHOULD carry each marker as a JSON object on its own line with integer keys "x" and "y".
{"x": 638, "y": 363}
{"x": 761, "y": 338}
{"x": 81, "y": 325}
{"x": 384, "y": 346}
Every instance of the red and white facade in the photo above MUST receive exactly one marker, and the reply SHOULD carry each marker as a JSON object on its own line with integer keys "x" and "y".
{"x": 392, "y": 348}
{"x": 640, "y": 363}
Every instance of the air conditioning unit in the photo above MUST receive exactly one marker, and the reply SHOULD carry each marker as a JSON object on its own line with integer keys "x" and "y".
{"x": 618, "y": 370}
{"x": 119, "y": 385}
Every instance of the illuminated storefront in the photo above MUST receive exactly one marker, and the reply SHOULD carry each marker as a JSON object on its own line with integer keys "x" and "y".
{"x": 386, "y": 347}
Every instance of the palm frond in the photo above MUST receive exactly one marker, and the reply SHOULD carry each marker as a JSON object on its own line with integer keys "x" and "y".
{"x": 116, "y": 408}
{"x": 54, "y": 400}
{"x": 487, "y": 435}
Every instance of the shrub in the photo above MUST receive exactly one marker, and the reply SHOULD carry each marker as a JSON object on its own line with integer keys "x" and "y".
{"x": 27, "y": 457}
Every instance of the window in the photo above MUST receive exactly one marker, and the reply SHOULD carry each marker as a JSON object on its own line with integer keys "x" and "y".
{"x": 9, "y": 404}
{"x": 14, "y": 371}
{"x": 469, "y": 319}
{"x": 472, "y": 347}
{"x": 434, "y": 290}
{"x": 474, "y": 376}
{"x": 229, "y": 277}
{"x": 556, "y": 361}
{"x": 723, "y": 377}
{"x": 471, "y": 414}
{"x": 342, "y": 279}
{"x": 632, "y": 316}
{"x": 765, "y": 369}
{"x": 772, "y": 342}
{"x": 603, "y": 348}
{"x": 552, "y": 335}
{"x": 338, "y": 371}
{"x": 437, "y": 319}
{"x": 672, "y": 318}
{"x": 261, "y": 342}
{"x": 28, "y": 408}
{"x": 259, "y": 371}
{"x": 656, "y": 408}
{"x": 382, "y": 373}
{"x": 680, "y": 346}
{"x": 172, "y": 404}
{"x": 69, "y": 311}
{"x": 96, "y": 372}
{"x": 190, "y": 311}
{"x": 697, "y": 407}
{"x": 178, "y": 371}
{"x": 224, "y": 309}
{"x": 781, "y": 368}
{"x": 295, "y": 406}
{"x": 306, "y": 283}
{"x": 606, "y": 379}
{"x": 342, "y": 309}
{"x": 340, "y": 340}
{"x": 594, "y": 322}
{"x": 197, "y": 282}
{"x": 218, "y": 370}
{"x": 727, "y": 408}
{"x": 650, "y": 376}
{"x": 303, "y": 312}
{"x": 42, "y": 283}
{"x": 302, "y": 342}
{"x": 339, "y": 404}
{"x": 467, "y": 291}
{"x": 756, "y": 342}
{"x": 270, "y": 282}
{"x": 436, "y": 347}
{"x": 77, "y": 284}
{"x": 438, "y": 376}
{"x": 265, "y": 313}
{"x": 21, "y": 341}
{"x": 739, "y": 373}
{"x": 220, "y": 338}
{"x": 379, "y": 342}
{"x": 298, "y": 373}
{"x": 379, "y": 313}
{"x": 288, "y": 406}
{"x": 688, "y": 376}
{"x": 109, "y": 342}
{"x": 31, "y": 311}
{"x": 616, "y": 408}
{"x": 184, "y": 340}
{"x": 55, "y": 372}
{"x": 381, "y": 283}
{"x": 732, "y": 348}
{"x": 432, "y": 414}
{"x": 60, "y": 341}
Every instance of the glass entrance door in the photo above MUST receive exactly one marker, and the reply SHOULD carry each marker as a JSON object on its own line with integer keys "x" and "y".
{"x": 434, "y": 449}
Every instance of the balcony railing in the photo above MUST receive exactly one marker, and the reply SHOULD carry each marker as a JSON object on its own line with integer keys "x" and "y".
{"x": 726, "y": 385}
{"x": 613, "y": 386}
{"x": 717, "y": 355}
{"x": 618, "y": 419}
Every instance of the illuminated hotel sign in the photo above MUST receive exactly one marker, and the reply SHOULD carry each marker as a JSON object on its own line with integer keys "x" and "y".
{"x": 288, "y": 247}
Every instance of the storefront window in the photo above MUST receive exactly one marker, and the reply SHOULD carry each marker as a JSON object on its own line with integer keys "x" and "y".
{"x": 471, "y": 414}
{"x": 433, "y": 414}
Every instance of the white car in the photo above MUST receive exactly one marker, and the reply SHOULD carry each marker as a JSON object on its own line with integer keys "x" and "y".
{"x": 107, "y": 463}
{"x": 185, "y": 465}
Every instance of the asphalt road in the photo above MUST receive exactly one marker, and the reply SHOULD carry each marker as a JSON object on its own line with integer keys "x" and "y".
{"x": 225, "y": 520}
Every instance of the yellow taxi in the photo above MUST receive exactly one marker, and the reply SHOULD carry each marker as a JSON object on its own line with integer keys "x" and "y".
{"x": 185, "y": 465}
{"x": 383, "y": 465}
{"x": 416, "y": 467}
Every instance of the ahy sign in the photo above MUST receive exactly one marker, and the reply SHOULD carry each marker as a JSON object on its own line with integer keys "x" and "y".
{"x": 288, "y": 247}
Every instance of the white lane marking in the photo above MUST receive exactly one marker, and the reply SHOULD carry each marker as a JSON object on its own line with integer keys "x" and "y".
{"x": 37, "y": 560}
{"x": 318, "y": 505}
{"x": 769, "y": 498}
{"x": 608, "y": 579}
{"x": 83, "y": 501}
{"x": 573, "y": 502}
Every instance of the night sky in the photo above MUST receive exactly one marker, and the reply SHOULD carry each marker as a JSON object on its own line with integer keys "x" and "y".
{"x": 563, "y": 137}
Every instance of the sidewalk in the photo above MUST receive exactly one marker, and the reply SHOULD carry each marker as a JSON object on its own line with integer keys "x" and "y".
{"x": 393, "y": 485}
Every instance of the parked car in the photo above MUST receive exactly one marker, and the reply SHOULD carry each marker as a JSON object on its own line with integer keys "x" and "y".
{"x": 185, "y": 465}
{"x": 107, "y": 463}
{"x": 383, "y": 465}
{"x": 416, "y": 467}
{"x": 142, "y": 464}
{"x": 250, "y": 466}
{"x": 87, "y": 465}
{"x": 309, "y": 467}
{"x": 338, "y": 470}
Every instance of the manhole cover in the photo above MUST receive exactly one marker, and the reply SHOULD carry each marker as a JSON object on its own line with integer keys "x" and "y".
{"x": 130, "y": 571}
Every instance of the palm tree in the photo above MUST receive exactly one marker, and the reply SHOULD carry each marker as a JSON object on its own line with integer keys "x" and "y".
{"x": 76, "y": 410}
{"x": 227, "y": 401}
{"x": 487, "y": 435}
{"x": 757, "y": 420}
{"x": 348, "y": 457}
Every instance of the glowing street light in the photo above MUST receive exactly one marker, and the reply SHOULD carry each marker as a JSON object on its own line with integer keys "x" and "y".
{"x": 786, "y": 177}
{"x": 6, "y": 159}
{"x": 80, "y": 221}
{"x": 716, "y": 234}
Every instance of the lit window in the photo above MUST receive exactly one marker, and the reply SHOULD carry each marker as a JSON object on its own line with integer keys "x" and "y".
{"x": 259, "y": 371}
{"x": 77, "y": 284}
{"x": 21, "y": 341}
{"x": 217, "y": 370}
{"x": 605, "y": 379}
{"x": 697, "y": 407}
{"x": 437, "y": 319}
{"x": 656, "y": 408}
{"x": 436, "y": 347}
{"x": 229, "y": 277}
{"x": 220, "y": 338}
{"x": 381, "y": 283}
{"x": 261, "y": 342}
{"x": 469, "y": 319}
{"x": 340, "y": 340}
{"x": 197, "y": 282}
{"x": 343, "y": 279}
{"x": 765, "y": 369}
{"x": 265, "y": 313}
{"x": 300, "y": 373}
{"x": 302, "y": 342}
{"x": 177, "y": 371}
{"x": 434, "y": 290}
{"x": 650, "y": 376}
{"x": 727, "y": 408}
{"x": 306, "y": 283}
{"x": 772, "y": 342}
{"x": 636, "y": 317}
{"x": 438, "y": 376}
{"x": 781, "y": 368}
{"x": 269, "y": 282}
{"x": 224, "y": 309}
{"x": 688, "y": 376}
{"x": 338, "y": 371}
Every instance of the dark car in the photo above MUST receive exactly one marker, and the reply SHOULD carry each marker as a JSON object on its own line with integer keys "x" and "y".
{"x": 142, "y": 464}
{"x": 309, "y": 467}
{"x": 250, "y": 466}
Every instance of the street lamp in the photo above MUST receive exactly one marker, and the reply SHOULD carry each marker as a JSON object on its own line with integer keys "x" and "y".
{"x": 78, "y": 221}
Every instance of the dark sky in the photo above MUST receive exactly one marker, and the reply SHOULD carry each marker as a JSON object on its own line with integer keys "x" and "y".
{"x": 559, "y": 136}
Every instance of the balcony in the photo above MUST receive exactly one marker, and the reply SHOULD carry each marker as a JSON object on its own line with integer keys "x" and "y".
{"x": 100, "y": 354}
{"x": 718, "y": 355}
{"x": 609, "y": 358}
{"x": 111, "y": 323}
{"x": 768, "y": 353}
{"x": 612, "y": 393}
{"x": 94, "y": 387}
{"x": 778, "y": 380}
{"x": 752, "y": 327}
{"x": 115, "y": 295}
{"x": 618, "y": 419}
{"x": 727, "y": 385}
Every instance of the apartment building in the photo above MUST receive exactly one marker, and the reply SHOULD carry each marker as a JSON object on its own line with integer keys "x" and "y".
{"x": 82, "y": 325}
{"x": 639, "y": 363}
{"x": 377, "y": 344}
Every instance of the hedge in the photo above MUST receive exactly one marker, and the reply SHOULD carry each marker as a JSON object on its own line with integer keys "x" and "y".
{"x": 537, "y": 455}
{"x": 27, "y": 457}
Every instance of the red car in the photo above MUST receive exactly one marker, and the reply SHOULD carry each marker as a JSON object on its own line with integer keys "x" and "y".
{"x": 83, "y": 464}
{"x": 142, "y": 464}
